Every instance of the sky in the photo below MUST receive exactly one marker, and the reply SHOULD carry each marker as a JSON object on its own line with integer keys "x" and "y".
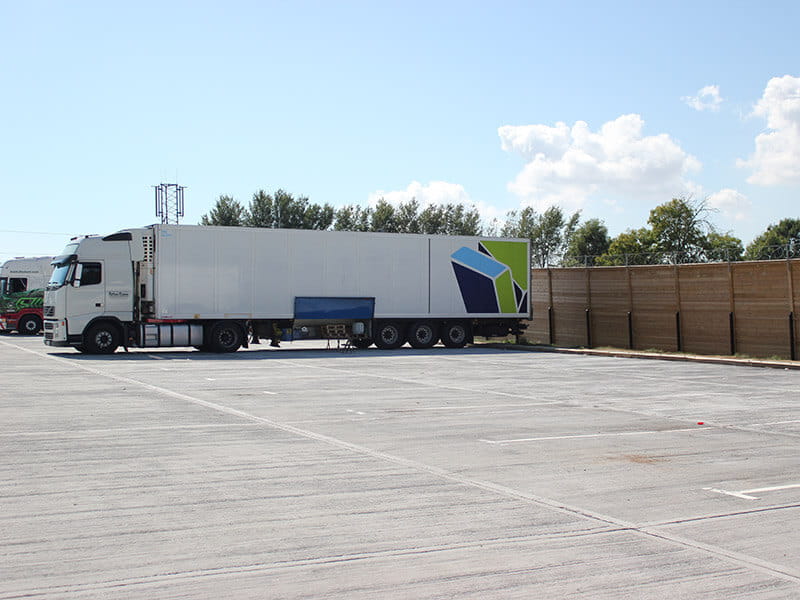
{"x": 610, "y": 108}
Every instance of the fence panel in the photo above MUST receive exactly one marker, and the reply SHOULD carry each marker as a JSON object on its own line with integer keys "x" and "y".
{"x": 570, "y": 300}
{"x": 761, "y": 308}
{"x": 538, "y": 331}
{"x": 609, "y": 302}
{"x": 794, "y": 272}
{"x": 705, "y": 307}
{"x": 654, "y": 292}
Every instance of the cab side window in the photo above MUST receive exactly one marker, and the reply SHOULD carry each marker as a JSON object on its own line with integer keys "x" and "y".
{"x": 17, "y": 284}
{"x": 91, "y": 274}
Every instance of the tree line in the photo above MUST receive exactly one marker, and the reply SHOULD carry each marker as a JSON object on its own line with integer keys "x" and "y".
{"x": 677, "y": 231}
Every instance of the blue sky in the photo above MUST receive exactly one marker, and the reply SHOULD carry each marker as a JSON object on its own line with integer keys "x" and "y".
{"x": 611, "y": 108}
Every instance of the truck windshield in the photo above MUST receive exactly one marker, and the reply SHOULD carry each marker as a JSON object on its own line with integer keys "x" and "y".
{"x": 60, "y": 275}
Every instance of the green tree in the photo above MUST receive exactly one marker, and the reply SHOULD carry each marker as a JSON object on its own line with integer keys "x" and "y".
{"x": 407, "y": 217}
{"x": 723, "y": 247}
{"x": 226, "y": 211}
{"x": 383, "y": 217}
{"x": 632, "y": 247}
{"x": 549, "y": 233}
{"x": 260, "y": 211}
{"x": 462, "y": 220}
{"x": 353, "y": 218}
{"x": 778, "y": 241}
{"x": 680, "y": 227}
{"x": 433, "y": 220}
{"x": 588, "y": 242}
{"x": 436, "y": 219}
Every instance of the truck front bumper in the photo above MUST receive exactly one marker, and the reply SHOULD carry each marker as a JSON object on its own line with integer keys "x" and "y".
{"x": 55, "y": 333}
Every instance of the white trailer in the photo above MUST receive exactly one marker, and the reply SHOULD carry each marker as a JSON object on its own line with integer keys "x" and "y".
{"x": 216, "y": 288}
{"x": 24, "y": 273}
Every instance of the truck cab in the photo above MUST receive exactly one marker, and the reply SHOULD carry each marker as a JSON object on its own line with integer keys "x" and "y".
{"x": 90, "y": 295}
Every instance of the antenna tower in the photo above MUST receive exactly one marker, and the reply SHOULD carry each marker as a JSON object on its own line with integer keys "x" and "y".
{"x": 169, "y": 202}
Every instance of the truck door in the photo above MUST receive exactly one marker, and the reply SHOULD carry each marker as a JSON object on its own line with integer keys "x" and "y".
{"x": 86, "y": 298}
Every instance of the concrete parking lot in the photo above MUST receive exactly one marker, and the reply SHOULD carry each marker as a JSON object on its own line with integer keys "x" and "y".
{"x": 475, "y": 473}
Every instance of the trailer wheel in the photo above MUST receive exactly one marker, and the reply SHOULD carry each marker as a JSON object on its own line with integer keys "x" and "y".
{"x": 102, "y": 338}
{"x": 362, "y": 343}
{"x": 455, "y": 335}
{"x": 389, "y": 336}
{"x": 29, "y": 325}
{"x": 225, "y": 337}
{"x": 422, "y": 334}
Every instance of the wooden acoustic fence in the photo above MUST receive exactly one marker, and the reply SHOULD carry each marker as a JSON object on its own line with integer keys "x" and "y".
{"x": 747, "y": 308}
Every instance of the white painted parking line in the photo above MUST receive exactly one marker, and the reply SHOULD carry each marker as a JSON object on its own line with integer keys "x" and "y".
{"x": 748, "y": 494}
{"x": 773, "y": 489}
{"x": 589, "y": 435}
{"x": 271, "y": 393}
{"x": 775, "y": 423}
{"x": 471, "y": 407}
{"x": 734, "y": 494}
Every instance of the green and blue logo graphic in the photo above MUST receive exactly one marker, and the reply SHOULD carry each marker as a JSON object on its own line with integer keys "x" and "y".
{"x": 493, "y": 278}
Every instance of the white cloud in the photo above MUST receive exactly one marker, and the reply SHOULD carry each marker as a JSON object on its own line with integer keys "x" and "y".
{"x": 566, "y": 165}
{"x": 707, "y": 98}
{"x": 436, "y": 192}
{"x": 732, "y": 204}
{"x": 776, "y": 160}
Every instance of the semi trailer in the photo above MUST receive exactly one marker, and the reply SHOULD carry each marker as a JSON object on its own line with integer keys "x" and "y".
{"x": 220, "y": 288}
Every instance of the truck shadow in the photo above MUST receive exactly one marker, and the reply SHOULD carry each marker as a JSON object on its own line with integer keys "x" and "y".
{"x": 251, "y": 354}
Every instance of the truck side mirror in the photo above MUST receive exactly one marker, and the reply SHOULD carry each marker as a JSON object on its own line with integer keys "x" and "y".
{"x": 76, "y": 278}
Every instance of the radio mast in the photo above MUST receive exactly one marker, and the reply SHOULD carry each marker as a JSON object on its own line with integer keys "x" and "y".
{"x": 169, "y": 202}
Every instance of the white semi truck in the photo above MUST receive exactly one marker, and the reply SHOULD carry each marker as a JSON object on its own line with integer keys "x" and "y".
{"x": 218, "y": 288}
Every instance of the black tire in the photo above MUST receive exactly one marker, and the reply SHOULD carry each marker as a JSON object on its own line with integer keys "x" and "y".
{"x": 389, "y": 335}
{"x": 225, "y": 336}
{"x": 455, "y": 335}
{"x": 29, "y": 325}
{"x": 80, "y": 348}
{"x": 101, "y": 338}
{"x": 362, "y": 343}
{"x": 422, "y": 334}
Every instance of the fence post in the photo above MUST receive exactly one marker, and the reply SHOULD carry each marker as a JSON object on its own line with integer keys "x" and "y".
{"x": 732, "y": 304}
{"x": 588, "y": 328}
{"x": 550, "y": 315}
{"x": 630, "y": 330}
{"x": 678, "y": 330}
{"x": 791, "y": 291}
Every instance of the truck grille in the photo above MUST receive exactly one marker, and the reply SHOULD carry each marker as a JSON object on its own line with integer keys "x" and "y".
{"x": 48, "y": 325}
{"x": 48, "y": 335}
{"x": 49, "y": 311}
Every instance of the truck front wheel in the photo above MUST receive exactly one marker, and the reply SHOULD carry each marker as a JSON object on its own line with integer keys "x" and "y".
{"x": 29, "y": 325}
{"x": 102, "y": 338}
{"x": 225, "y": 337}
{"x": 389, "y": 336}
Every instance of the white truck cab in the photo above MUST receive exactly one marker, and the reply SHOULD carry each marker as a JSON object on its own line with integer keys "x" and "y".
{"x": 22, "y": 274}
{"x": 92, "y": 282}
